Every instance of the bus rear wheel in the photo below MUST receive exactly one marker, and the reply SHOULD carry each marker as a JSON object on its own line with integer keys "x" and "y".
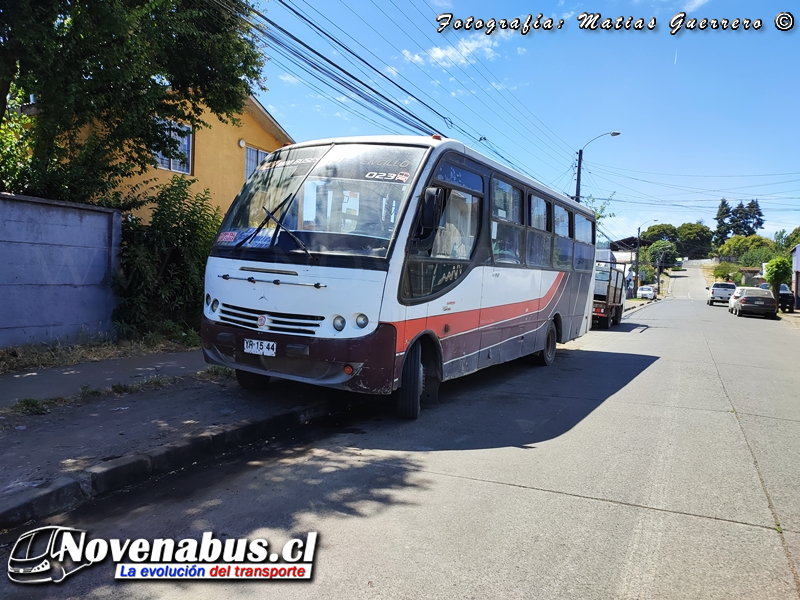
{"x": 548, "y": 355}
{"x": 251, "y": 381}
{"x": 408, "y": 396}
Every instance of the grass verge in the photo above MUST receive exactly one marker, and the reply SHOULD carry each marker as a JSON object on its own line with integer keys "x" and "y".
{"x": 56, "y": 355}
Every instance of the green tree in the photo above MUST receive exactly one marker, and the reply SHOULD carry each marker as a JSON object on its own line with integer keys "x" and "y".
{"x": 600, "y": 207}
{"x": 755, "y": 218}
{"x": 723, "y": 226}
{"x": 755, "y": 257}
{"x": 110, "y": 78}
{"x": 793, "y": 238}
{"x": 779, "y": 239}
{"x": 660, "y": 231}
{"x": 778, "y": 271}
{"x": 662, "y": 253}
{"x": 14, "y": 148}
{"x": 737, "y": 245}
{"x": 739, "y": 220}
{"x": 694, "y": 240}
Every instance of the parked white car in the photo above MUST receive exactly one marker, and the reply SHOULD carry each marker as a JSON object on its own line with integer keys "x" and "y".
{"x": 721, "y": 291}
{"x": 646, "y": 291}
{"x": 734, "y": 297}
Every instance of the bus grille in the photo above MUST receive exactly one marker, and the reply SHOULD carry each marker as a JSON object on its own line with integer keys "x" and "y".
{"x": 277, "y": 322}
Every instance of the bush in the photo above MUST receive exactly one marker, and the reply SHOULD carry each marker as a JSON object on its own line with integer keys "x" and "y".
{"x": 725, "y": 269}
{"x": 159, "y": 285}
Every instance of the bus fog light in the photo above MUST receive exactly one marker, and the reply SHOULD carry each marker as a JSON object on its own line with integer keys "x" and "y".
{"x": 214, "y": 305}
{"x": 362, "y": 321}
{"x": 348, "y": 370}
{"x": 339, "y": 322}
{"x": 208, "y": 299}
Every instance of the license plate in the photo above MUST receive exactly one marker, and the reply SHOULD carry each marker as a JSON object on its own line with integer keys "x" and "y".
{"x": 759, "y": 302}
{"x": 259, "y": 347}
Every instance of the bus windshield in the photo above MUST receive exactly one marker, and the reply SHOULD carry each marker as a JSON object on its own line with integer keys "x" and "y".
{"x": 334, "y": 199}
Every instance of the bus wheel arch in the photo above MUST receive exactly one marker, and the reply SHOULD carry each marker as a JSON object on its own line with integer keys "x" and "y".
{"x": 420, "y": 376}
{"x": 557, "y": 322}
{"x": 547, "y": 355}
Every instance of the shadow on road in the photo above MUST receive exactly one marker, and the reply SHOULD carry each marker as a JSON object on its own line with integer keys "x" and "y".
{"x": 515, "y": 404}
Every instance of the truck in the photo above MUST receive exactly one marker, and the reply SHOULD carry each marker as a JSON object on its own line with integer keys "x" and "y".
{"x": 609, "y": 295}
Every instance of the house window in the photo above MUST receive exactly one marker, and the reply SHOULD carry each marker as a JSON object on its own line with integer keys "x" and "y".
{"x": 253, "y": 158}
{"x": 179, "y": 165}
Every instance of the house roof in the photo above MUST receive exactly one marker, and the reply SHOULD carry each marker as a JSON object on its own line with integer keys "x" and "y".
{"x": 267, "y": 121}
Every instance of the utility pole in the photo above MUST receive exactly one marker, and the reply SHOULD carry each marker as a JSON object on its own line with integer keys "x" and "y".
{"x": 637, "y": 279}
{"x": 580, "y": 162}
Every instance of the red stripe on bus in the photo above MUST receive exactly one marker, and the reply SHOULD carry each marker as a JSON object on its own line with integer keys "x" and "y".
{"x": 469, "y": 320}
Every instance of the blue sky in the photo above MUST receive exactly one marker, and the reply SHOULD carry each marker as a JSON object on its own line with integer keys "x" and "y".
{"x": 702, "y": 114}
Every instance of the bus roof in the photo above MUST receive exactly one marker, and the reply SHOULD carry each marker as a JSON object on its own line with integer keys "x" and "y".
{"x": 448, "y": 144}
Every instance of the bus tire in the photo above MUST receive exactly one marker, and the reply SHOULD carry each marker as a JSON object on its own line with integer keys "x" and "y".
{"x": 408, "y": 396}
{"x": 251, "y": 381}
{"x": 548, "y": 355}
{"x": 617, "y": 316}
{"x": 605, "y": 322}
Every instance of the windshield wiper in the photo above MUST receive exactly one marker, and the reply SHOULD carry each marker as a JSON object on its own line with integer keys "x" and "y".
{"x": 279, "y": 225}
{"x": 264, "y": 222}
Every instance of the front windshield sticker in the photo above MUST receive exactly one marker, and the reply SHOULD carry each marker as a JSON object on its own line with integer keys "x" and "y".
{"x": 226, "y": 237}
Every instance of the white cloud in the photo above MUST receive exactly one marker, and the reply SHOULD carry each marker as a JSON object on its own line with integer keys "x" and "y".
{"x": 442, "y": 3}
{"x": 463, "y": 53}
{"x": 391, "y": 71}
{"x": 458, "y": 93}
{"x": 341, "y": 116}
{"x": 566, "y": 16}
{"x": 413, "y": 58}
{"x": 342, "y": 98}
{"x": 694, "y": 5}
{"x": 290, "y": 79}
{"x": 521, "y": 50}
{"x": 498, "y": 86}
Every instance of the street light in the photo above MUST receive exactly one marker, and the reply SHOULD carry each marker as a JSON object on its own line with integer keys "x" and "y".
{"x": 580, "y": 162}
{"x": 638, "y": 246}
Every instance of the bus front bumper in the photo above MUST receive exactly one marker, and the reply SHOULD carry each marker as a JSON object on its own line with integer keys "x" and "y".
{"x": 318, "y": 361}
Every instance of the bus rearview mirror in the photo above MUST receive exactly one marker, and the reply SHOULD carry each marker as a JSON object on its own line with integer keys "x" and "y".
{"x": 432, "y": 205}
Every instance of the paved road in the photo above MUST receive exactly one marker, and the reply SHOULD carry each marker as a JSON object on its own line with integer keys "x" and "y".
{"x": 659, "y": 459}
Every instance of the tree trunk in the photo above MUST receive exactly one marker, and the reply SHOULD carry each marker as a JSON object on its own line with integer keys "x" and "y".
{"x": 5, "y": 87}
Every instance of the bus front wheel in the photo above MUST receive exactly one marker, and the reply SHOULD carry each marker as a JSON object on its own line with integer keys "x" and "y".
{"x": 548, "y": 355}
{"x": 408, "y": 396}
{"x": 251, "y": 381}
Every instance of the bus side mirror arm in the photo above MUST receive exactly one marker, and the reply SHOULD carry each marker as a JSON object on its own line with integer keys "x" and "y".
{"x": 430, "y": 214}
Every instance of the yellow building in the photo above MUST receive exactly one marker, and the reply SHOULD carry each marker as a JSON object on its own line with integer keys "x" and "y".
{"x": 223, "y": 155}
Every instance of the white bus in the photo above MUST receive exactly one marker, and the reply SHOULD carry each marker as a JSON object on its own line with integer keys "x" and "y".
{"x": 389, "y": 264}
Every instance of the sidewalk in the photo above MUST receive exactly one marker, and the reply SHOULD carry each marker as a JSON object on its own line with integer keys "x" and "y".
{"x": 67, "y": 381}
{"x": 95, "y": 444}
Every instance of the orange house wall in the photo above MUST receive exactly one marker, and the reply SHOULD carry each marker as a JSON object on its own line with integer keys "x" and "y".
{"x": 218, "y": 163}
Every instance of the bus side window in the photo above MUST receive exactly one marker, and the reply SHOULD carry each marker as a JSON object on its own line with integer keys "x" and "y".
{"x": 562, "y": 255}
{"x": 507, "y": 232}
{"x": 584, "y": 243}
{"x": 455, "y": 237}
{"x": 540, "y": 242}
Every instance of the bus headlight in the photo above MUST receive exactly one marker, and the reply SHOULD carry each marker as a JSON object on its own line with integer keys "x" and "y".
{"x": 339, "y": 322}
{"x": 362, "y": 321}
{"x": 214, "y": 305}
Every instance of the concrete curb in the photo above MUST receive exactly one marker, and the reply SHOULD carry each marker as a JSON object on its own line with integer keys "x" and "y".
{"x": 66, "y": 493}
{"x": 638, "y": 306}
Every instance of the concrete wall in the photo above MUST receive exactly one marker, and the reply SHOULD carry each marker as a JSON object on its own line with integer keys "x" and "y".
{"x": 56, "y": 262}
